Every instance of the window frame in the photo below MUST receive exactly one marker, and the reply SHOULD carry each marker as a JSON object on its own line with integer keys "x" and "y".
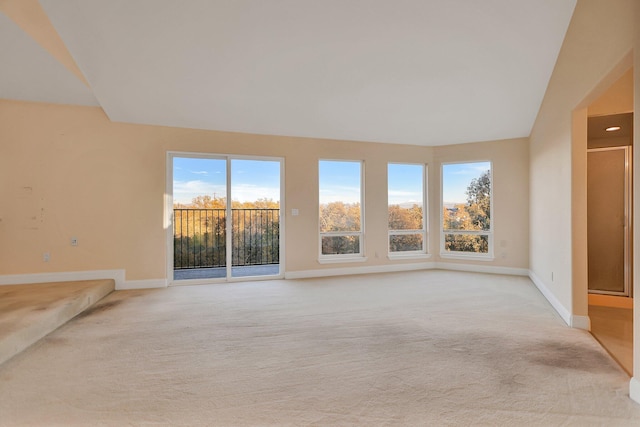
{"x": 489, "y": 255}
{"x": 424, "y": 231}
{"x": 168, "y": 220}
{"x": 352, "y": 257}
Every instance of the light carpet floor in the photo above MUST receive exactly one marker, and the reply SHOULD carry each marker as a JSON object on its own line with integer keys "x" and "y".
{"x": 414, "y": 348}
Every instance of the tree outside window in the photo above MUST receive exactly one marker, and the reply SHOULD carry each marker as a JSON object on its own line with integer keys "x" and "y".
{"x": 406, "y": 201}
{"x": 466, "y": 208}
{"x": 340, "y": 215}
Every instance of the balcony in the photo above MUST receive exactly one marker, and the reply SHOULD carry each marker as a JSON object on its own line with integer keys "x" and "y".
{"x": 200, "y": 242}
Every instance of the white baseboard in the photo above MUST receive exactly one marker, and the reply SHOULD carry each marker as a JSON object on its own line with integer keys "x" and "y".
{"x": 345, "y": 271}
{"x": 510, "y": 271}
{"x": 69, "y": 276}
{"x": 391, "y": 268}
{"x": 143, "y": 284}
{"x": 572, "y": 320}
{"x": 634, "y": 390}
{"x": 581, "y": 322}
{"x": 555, "y": 303}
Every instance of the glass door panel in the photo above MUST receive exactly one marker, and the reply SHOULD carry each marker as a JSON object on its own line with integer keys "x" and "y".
{"x": 199, "y": 218}
{"x": 608, "y": 201}
{"x": 255, "y": 218}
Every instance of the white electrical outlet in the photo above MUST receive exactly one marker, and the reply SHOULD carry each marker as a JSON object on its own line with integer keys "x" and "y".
{"x": 46, "y": 257}
{"x": 74, "y": 241}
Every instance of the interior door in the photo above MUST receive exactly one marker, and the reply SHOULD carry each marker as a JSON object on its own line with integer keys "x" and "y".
{"x": 608, "y": 220}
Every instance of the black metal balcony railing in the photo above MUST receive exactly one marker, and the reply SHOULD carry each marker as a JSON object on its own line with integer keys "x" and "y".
{"x": 199, "y": 237}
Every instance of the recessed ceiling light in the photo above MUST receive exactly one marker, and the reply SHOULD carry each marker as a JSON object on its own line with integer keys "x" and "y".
{"x": 612, "y": 128}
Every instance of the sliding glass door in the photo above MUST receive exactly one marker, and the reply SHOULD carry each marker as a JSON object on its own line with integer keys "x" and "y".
{"x": 225, "y": 217}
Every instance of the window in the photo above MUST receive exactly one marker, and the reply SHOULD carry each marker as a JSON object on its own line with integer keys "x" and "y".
{"x": 406, "y": 204}
{"x": 340, "y": 184}
{"x": 466, "y": 209}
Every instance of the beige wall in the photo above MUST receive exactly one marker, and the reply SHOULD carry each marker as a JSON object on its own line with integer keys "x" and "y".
{"x": 602, "y": 43}
{"x": 510, "y": 212}
{"x": 617, "y": 99}
{"x": 599, "y": 38}
{"x": 68, "y": 171}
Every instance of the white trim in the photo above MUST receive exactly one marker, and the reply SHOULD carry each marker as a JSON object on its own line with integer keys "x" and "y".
{"x": 228, "y": 223}
{"x": 360, "y": 233}
{"x": 337, "y": 259}
{"x": 424, "y": 232}
{"x": 391, "y": 268}
{"x": 168, "y": 216}
{"x": 489, "y": 256}
{"x": 634, "y": 390}
{"x": 555, "y": 303}
{"x": 395, "y": 256}
{"x": 470, "y": 256}
{"x": 223, "y": 280}
{"x": 509, "y": 271}
{"x": 282, "y": 218}
{"x": 581, "y": 322}
{"x": 191, "y": 282}
{"x": 143, "y": 284}
{"x": 65, "y": 276}
{"x": 572, "y": 320}
{"x": 388, "y": 268}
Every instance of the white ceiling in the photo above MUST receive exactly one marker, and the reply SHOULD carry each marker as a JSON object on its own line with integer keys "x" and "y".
{"x": 426, "y": 72}
{"x": 30, "y": 73}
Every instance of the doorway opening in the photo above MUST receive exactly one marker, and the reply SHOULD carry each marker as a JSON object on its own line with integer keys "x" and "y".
{"x": 226, "y": 221}
{"x": 609, "y": 219}
{"x": 609, "y": 203}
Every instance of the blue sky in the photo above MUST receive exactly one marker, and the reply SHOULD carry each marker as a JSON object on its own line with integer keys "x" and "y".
{"x": 252, "y": 179}
{"x": 405, "y": 184}
{"x": 456, "y": 178}
{"x": 339, "y": 180}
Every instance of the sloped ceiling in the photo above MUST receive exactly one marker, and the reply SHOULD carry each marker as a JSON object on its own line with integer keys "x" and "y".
{"x": 425, "y": 72}
{"x": 30, "y": 73}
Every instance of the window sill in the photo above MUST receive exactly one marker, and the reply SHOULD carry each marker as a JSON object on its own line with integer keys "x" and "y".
{"x": 473, "y": 257}
{"x": 398, "y": 256}
{"x": 341, "y": 259}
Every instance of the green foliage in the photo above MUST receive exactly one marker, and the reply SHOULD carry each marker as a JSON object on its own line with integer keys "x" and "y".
{"x": 401, "y": 218}
{"x": 200, "y": 233}
{"x": 208, "y": 202}
{"x": 200, "y": 228}
{"x": 334, "y": 245}
{"x": 340, "y": 216}
{"x": 405, "y": 242}
{"x": 479, "y": 201}
{"x": 466, "y": 243}
{"x": 475, "y": 215}
{"x": 405, "y": 218}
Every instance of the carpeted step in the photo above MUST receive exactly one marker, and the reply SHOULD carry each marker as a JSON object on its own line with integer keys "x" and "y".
{"x": 30, "y": 312}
